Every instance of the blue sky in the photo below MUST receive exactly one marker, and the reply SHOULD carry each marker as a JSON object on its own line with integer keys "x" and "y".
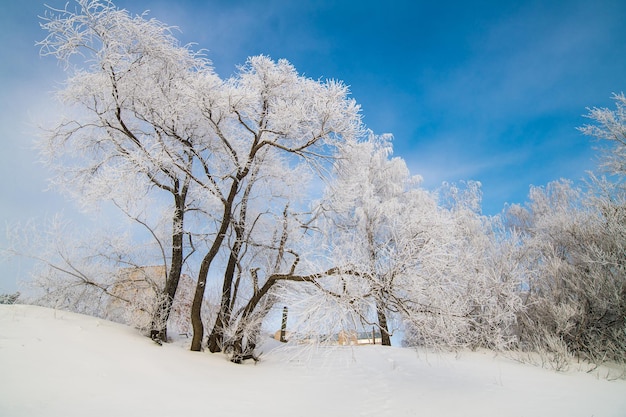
{"x": 471, "y": 90}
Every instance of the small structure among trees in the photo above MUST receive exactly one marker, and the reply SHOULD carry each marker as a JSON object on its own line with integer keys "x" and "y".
{"x": 136, "y": 292}
{"x": 354, "y": 338}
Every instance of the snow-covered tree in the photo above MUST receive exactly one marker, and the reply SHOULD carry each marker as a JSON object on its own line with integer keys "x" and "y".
{"x": 367, "y": 211}
{"x": 483, "y": 273}
{"x": 132, "y": 122}
{"x": 153, "y": 118}
{"x": 610, "y": 126}
{"x": 267, "y": 108}
{"x": 262, "y": 224}
{"x": 604, "y": 258}
{"x": 406, "y": 259}
{"x": 574, "y": 283}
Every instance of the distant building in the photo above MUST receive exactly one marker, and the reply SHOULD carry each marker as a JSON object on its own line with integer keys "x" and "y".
{"x": 135, "y": 293}
{"x": 354, "y": 338}
{"x": 343, "y": 338}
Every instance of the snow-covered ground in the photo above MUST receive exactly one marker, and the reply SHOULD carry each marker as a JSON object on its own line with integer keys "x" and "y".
{"x": 54, "y": 363}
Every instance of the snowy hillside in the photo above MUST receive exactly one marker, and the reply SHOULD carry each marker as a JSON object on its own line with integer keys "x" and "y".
{"x": 55, "y": 363}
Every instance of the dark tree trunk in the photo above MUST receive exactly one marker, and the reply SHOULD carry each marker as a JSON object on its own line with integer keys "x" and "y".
{"x": 382, "y": 324}
{"x": 243, "y": 350}
{"x": 196, "y": 306}
{"x": 158, "y": 330}
{"x": 216, "y": 338}
{"x": 380, "y": 305}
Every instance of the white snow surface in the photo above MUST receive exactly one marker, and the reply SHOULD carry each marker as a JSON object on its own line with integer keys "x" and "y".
{"x": 55, "y": 363}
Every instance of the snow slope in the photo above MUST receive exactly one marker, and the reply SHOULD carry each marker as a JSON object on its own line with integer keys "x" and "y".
{"x": 55, "y": 363}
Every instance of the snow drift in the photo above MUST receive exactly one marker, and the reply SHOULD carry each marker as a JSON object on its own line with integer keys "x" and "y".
{"x": 56, "y": 363}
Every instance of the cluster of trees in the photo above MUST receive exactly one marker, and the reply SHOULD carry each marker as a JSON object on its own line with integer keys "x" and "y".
{"x": 217, "y": 178}
{"x": 9, "y": 298}
{"x": 571, "y": 249}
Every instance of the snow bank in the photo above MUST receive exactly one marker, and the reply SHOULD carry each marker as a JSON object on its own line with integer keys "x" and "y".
{"x": 55, "y": 363}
